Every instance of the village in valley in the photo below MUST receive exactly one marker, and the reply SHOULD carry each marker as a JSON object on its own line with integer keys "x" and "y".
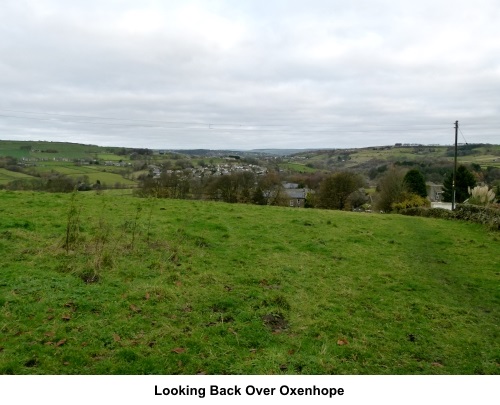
{"x": 288, "y": 178}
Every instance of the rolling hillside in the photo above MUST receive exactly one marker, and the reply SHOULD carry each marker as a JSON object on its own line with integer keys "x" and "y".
{"x": 112, "y": 284}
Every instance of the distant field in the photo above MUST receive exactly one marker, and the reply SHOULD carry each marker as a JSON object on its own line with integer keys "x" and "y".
{"x": 298, "y": 167}
{"x": 7, "y": 176}
{"x": 109, "y": 179}
{"x": 59, "y": 158}
{"x": 94, "y": 173}
{"x": 486, "y": 156}
{"x": 484, "y": 161}
{"x": 20, "y": 149}
{"x": 112, "y": 284}
{"x": 111, "y": 157}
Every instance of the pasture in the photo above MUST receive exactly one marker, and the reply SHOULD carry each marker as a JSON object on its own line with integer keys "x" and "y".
{"x": 107, "y": 283}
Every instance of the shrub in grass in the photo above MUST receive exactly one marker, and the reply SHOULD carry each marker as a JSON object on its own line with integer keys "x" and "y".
{"x": 481, "y": 195}
{"x": 410, "y": 200}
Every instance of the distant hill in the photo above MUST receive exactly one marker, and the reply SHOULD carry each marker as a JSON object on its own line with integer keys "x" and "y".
{"x": 252, "y": 152}
{"x": 222, "y": 152}
{"x": 281, "y": 152}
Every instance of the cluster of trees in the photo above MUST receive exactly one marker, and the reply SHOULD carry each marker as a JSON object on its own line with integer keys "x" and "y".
{"x": 240, "y": 187}
{"x": 398, "y": 189}
{"x": 340, "y": 191}
{"x": 9, "y": 163}
{"x": 134, "y": 152}
{"x": 54, "y": 183}
{"x": 464, "y": 180}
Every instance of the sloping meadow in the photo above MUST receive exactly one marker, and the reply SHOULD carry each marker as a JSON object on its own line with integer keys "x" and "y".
{"x": 114, "y": 284}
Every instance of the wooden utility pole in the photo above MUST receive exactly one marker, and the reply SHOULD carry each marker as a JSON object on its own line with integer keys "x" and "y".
{"x": 453, "y": 187}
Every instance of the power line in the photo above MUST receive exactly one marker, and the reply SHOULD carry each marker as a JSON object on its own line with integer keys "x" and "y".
{"x": 465, "y": 140}
{"x": 204, "y": 123}
{"x": 306, "y": 128}
{"x": 220, "y": 128}
{"x": 290, "y": 128}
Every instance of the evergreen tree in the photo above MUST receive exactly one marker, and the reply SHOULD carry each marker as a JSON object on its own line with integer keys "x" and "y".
{"x": 258, "y": 197}
{"x": 415, "y": 183}
{"x": 464, "y": 180}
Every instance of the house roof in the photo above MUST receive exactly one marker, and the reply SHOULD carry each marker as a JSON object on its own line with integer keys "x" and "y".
{"x": 296, "y": 192}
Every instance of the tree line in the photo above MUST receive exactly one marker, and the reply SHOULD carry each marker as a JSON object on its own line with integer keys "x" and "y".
{"x": 397, "y": 188}
{"x": 239, "y": 187}
{"x": 54, "y": 182}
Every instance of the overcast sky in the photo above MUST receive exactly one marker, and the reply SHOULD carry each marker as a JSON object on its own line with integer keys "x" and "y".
{"x": 250, "y": 74}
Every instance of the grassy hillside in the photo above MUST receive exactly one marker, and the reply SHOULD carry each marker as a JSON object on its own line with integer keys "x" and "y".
{"x": 366, "y": 158}
{"x": 41, "y": 158}
{"x": 43, "y": 149}
{"x": 7, "y": 176}
{"x": 94, "y": 173}
{"x": 180, "y": 287}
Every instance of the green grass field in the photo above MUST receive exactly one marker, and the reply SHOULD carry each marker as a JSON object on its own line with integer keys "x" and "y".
{"x": 61, "y": 162}
{"x": 94, "y": 172}
{"x": 484, "y": 161}
{"x": 19, "y": 149}
{"x": 181, "y": 287}
{"x": 298, "y": 168}
{"x": 484, "y": 156}
{"x": 6, "y": 176}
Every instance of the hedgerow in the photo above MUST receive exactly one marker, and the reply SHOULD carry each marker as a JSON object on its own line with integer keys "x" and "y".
{"x": 489, "y": 216}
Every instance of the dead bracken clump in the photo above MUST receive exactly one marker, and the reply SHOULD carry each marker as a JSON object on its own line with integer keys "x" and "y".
{"x": 276, "y": 322}
{"x": 89, "y": 276}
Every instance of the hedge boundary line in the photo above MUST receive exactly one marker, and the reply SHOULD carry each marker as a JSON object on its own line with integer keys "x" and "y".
{"x": 463, "y": 212}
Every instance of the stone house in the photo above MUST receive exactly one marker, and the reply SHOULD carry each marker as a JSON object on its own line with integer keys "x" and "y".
{"x": 297, "y": 196}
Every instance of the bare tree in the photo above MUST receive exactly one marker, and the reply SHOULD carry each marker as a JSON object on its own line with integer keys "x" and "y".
{"x": 390, "y": 189}
{"x": 335, "y": 190}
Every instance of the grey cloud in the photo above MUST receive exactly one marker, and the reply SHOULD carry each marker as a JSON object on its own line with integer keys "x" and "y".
{"x": 344, "y": 70}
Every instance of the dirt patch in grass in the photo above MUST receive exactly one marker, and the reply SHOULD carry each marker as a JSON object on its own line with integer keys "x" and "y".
{"x": 276, "y": 322}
